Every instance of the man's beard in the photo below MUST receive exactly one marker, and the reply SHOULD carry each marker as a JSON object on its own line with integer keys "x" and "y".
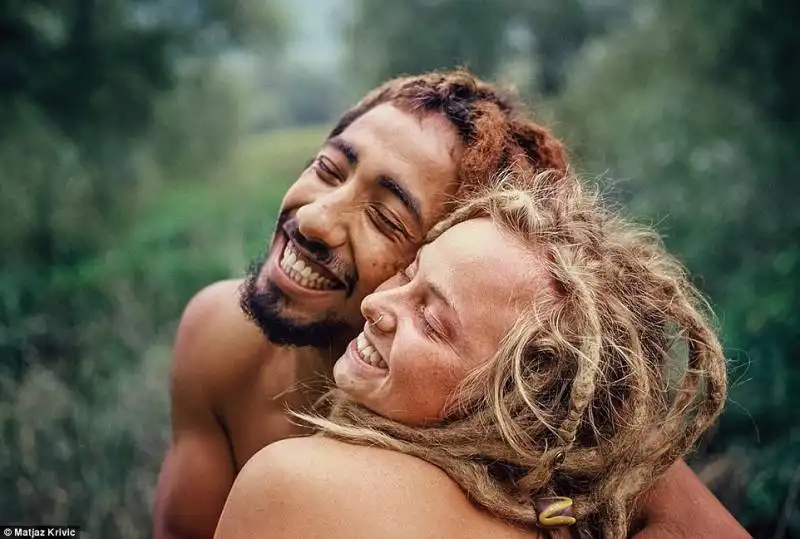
{"x": 263, "y": 308}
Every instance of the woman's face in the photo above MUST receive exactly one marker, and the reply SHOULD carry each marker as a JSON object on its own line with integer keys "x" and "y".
{"x": 432, "y": 324}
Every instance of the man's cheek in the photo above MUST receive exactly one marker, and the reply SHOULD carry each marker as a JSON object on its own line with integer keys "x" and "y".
{"x": 302, "y": 192}
{"x": 395, "y": 264}
{"x": 374, "y": 284}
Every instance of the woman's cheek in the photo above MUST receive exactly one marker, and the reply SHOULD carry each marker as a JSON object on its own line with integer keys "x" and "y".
{"x": 430, "y": 379}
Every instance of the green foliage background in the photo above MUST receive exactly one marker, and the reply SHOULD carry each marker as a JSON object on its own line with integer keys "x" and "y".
{"x": 145, "y": 146}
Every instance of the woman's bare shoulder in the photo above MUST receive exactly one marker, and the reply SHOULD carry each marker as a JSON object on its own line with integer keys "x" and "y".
{"x": 324, "y": 465}
{"x": 318, "y": 487}
{"x": 326, "y": 454}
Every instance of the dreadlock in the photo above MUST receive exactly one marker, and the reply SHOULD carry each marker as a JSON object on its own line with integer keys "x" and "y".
{"x": 598, "y": 388}
{"x": 494, "y": 129}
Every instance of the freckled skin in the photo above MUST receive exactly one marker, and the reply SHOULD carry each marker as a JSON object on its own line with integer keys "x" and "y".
{"x": 487, "y": 289}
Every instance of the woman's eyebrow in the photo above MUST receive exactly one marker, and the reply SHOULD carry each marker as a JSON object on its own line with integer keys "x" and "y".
{"x": 440, "y": 292}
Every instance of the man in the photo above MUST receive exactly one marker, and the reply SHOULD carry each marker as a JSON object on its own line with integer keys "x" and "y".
{"x": 356, "y": 214}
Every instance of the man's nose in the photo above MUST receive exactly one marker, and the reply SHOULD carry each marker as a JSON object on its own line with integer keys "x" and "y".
{"x": 323, "y": 221}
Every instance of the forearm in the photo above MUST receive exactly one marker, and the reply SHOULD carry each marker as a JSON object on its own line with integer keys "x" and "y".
{"x": 160, "y": 530}
{"x": 191, "y": 493}
{"x": 680, "y": 505}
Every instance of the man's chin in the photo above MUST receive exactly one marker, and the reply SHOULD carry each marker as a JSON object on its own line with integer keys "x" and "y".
{"x": 265, "y": 305}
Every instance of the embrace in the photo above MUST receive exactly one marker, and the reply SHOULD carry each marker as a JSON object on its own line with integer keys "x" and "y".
{"x": 450, "y": 336}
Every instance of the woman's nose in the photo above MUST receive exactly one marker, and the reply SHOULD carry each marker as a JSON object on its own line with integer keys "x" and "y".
{"x": 378, "y": 313}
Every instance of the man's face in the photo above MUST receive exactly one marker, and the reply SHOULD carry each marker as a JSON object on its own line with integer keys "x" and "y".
{"x": 355, "y": 217}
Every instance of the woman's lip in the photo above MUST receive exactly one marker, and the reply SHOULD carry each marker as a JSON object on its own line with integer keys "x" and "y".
{"x": 352, "y": 349}
{"x": 371, "y": 342}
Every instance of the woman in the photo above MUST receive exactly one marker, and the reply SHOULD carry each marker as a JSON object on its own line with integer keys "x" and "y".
{"x": 539, "y": 365}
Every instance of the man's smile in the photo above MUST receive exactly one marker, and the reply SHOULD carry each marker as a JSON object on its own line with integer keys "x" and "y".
{"x": 305, "y": 272}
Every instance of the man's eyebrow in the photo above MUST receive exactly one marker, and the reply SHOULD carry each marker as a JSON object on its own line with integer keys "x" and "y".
{"x": 346, "y": 148}
{"x": 408, "y": 200}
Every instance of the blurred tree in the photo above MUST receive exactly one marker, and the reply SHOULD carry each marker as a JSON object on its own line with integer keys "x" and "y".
{"x": 81, "y": 82}
{"x": 102, "y": 102}
{"x": 390, "y": 38}
{"x": 386, "y": 40}
{"x": 558, "y": 29}
{"x": 81, "y": 63}
{"x": 95, "y": 66}
{"x": 697, "y": 105}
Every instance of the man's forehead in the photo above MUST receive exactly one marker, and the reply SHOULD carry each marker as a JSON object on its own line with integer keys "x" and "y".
{"x": 402, "y": 149}
{"x": 396, "y": 131}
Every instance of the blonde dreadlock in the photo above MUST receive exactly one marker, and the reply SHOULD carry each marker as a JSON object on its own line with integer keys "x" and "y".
{"x": 593, "y": 393}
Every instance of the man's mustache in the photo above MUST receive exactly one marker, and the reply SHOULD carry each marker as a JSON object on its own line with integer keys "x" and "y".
{"x": 322, "y": 254}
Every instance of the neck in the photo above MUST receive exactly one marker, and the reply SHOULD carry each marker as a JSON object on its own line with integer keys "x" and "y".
{"x": 313, "y": 369}
{"x": 330, "y": 353}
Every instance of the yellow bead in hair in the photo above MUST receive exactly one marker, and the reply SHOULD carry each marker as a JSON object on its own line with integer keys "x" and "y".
{"x": 554, "y": 512}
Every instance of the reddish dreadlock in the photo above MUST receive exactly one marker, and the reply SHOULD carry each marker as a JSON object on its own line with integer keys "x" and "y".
{"x": 493, "y": 128}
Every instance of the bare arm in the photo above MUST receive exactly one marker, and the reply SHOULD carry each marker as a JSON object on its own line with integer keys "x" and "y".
{"x": 197, "y": 473}
{"x": 193, "y": 485}
{"x": 164, "y": 478}
{"x": 680, "y": 505}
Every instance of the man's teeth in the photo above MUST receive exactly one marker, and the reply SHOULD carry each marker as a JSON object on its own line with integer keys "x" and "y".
{"x": 368, "y": 353}
{"x": 300, "y": 272}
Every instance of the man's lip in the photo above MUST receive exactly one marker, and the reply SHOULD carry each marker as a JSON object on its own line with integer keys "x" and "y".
{"x": 280, "y": 278}
{"x": 326, "y": 271}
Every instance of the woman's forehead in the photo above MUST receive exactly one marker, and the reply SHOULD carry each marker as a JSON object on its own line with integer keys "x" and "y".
{"x": 488, "y": 273}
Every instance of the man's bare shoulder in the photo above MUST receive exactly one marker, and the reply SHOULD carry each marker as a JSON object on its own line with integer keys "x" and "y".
{"x": 215, "y": 342}
{"x": 313, "y": 486}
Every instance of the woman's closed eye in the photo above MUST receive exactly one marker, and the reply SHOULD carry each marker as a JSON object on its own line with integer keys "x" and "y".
{"x": 430, "y": 326}
{"x": 427, "y": 327}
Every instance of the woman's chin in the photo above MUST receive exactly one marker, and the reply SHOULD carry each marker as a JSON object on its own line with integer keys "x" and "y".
{"x": 347, "y": 380}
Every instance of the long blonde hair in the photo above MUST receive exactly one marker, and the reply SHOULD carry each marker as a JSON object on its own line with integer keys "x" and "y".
{"x": 594, "y": 392}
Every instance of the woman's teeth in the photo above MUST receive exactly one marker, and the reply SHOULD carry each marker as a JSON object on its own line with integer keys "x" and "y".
{"x": 300, "y": 272}
{"x": 368, "y": 353}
